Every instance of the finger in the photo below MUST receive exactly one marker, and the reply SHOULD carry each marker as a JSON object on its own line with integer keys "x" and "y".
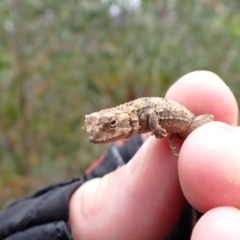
{"x": 209, "y": 166}
{"x": 219, "y": 223}
{"x": 204, "y": 92}
{"x": 141, "y": 200}
{"x": 208, "y": 156}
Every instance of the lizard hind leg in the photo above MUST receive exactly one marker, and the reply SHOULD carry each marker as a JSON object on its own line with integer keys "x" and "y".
{"x": 171, "y": 143}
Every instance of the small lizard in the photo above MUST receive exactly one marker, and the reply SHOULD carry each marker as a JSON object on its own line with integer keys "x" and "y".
{"x": 160, "y": 116}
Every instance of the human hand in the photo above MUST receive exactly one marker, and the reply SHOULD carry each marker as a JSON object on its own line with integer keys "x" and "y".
{"x": 144, "y": 198}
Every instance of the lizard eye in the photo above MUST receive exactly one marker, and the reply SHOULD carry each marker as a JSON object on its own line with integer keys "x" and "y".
{"x": 113, "y": 123}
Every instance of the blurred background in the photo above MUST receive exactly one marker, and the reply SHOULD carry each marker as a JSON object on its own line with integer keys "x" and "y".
{"x": 60, "y": 60}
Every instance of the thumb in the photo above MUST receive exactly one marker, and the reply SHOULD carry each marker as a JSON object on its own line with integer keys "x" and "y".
{"x": 140, "y": 200}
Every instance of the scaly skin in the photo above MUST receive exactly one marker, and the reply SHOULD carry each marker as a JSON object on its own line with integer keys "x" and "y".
{"x": 160, "y": 116}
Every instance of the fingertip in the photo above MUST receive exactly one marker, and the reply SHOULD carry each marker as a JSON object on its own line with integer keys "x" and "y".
{"x": 208, "y": 166}
{"x": 219, "y": 223}
{"x": 205, "y": 92}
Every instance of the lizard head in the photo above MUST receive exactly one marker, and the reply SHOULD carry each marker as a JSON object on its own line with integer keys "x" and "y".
{"x": 108, "y": 125}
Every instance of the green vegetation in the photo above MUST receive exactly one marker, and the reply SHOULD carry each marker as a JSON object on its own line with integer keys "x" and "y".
{"x": 60, "y": 60}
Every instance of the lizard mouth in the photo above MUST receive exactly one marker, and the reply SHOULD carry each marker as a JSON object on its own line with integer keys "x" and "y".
{"x": 92, "y": 139}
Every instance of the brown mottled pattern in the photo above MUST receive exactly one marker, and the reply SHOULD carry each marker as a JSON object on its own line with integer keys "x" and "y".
{"x": 149, "y": 114}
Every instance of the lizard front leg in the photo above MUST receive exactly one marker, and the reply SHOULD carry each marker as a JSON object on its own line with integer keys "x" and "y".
{"x": 153, "y": 123}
